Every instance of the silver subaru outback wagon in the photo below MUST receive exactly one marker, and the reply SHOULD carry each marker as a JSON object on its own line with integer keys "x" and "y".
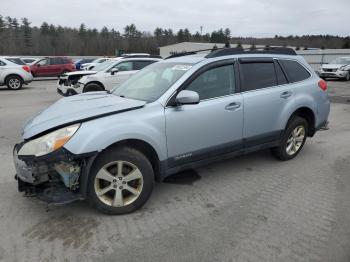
{"x": 180, "y": 113}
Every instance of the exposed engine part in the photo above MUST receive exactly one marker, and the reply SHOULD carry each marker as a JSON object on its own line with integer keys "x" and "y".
{"x": 69, "y": 173}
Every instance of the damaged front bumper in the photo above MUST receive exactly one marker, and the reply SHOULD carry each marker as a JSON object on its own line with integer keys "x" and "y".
{"x": 57, "y": 178}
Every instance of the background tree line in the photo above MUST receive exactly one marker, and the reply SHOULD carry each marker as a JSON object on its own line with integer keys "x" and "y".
{"x": 19, "y": 37}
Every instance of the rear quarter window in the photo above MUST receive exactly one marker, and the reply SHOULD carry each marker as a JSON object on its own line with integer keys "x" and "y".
{"x": 295, "y": 71}
{"x": 16, "y": 61}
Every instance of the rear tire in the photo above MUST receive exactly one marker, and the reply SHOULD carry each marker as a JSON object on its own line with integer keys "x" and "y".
{"x": 93, "y": 88}
{"x": 14, "y": 82}
{"x": 293, "y": 139}
{"x": 121, "y": 181}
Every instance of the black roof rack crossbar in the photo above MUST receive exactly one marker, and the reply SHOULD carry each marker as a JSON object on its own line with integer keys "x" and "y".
{"x": 264, "y": 50}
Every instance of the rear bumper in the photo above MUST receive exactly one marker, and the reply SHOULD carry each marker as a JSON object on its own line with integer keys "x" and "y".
{"x": 27, "y": 78}
{"x": 57, "y": 178}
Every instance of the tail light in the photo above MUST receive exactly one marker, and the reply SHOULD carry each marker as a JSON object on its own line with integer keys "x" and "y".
{"x": 26, "y": 68}
{"x": 322, "y": 84}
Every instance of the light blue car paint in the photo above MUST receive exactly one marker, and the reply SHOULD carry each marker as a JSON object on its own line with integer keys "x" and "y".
{"x": 183, "y": 133}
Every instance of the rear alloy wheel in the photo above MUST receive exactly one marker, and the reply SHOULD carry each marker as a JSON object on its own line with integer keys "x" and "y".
{"x": 14, "y": 82}
{"x": 293, "y": 139}
{"x": 121, "y": 181}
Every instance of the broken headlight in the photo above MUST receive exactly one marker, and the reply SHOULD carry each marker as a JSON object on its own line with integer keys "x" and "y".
{"x": 49, "y": 142}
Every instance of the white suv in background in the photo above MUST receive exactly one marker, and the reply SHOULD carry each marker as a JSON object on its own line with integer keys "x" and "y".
{"x": 105, "y": 76}
{"x": 338, "y": 68}
{"x": 14, "y": 73}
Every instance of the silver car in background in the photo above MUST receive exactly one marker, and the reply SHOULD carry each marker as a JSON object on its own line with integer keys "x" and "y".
{"x": 14, "y": 73}
{"x": 338, "y": 68}
{"x": 177, "y": 114}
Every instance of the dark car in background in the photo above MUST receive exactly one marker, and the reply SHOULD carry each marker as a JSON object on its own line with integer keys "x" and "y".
{"x": 52, "y": 66}
{"x": 79, "y": 62}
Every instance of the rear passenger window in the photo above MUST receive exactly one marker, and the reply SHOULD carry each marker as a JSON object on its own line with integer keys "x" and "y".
{"x": 215, "y": 82}
{"x": 138, "y": 65}
{"x": 258, "y": 75}
{"x": 295, "y": 71}
{"x": 281, "y": 78}
{"x": 55, "y": 61}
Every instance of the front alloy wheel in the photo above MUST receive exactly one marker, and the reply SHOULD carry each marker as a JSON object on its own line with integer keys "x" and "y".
{"x": 118, "y": 183}
{"x": 121, "y": 180}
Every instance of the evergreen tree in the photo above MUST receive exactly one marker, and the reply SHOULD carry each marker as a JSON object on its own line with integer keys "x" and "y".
{"x": 27, "y": 34}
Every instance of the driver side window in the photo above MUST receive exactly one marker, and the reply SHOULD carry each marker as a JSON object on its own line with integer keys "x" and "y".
{"x": 215, "y": 82}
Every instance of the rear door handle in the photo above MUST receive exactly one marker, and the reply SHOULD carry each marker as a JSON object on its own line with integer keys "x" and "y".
{"x": 233, "y": 106}
{"x": 286, "y": 94}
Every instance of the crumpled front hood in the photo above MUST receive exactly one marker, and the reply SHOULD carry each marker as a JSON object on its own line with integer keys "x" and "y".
{"x": 78, "y": 108}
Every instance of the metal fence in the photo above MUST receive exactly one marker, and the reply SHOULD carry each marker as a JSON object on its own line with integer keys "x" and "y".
{"x": 318, "y": 57}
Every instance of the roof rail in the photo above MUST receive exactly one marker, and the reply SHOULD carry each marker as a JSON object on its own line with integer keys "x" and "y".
{"x": 188, "y": 53}
{"x": 141, "y": 56}
{"x": 238, "y": 51}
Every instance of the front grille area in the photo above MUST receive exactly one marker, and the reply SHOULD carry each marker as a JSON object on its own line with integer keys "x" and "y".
{"x": 330, "y": 70}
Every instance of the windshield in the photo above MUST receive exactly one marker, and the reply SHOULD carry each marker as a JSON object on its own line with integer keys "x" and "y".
{"x": 104, "y": 65}
{"x": 151, "y": 82}
{"x": 341, "y": 61}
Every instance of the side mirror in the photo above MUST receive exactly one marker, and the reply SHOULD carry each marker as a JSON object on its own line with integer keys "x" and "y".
{"x": 38, "y": 65}
{"x": 114, "y": 71}
{"x": 187, "y": 97}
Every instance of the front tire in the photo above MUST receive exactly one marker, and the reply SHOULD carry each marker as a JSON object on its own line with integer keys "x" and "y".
{"x": 14, "y": 82}
{"x": 293, "y": 139}
{"x": 347, "y": 77}
{"x": 121, "y": 181}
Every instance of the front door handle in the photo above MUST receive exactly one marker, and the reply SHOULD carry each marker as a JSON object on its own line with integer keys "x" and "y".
{"x": 233, "y": 106}
{"x": 286, "y": 94}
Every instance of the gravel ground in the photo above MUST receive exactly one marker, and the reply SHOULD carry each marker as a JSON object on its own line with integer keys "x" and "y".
{"x": 251, "y": 208}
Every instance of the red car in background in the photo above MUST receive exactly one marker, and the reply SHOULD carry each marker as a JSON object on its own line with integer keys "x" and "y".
{"x": 52, "y": 66}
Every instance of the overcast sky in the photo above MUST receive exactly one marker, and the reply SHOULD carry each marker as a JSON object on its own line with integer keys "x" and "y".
{"x": 244, "y": 17}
